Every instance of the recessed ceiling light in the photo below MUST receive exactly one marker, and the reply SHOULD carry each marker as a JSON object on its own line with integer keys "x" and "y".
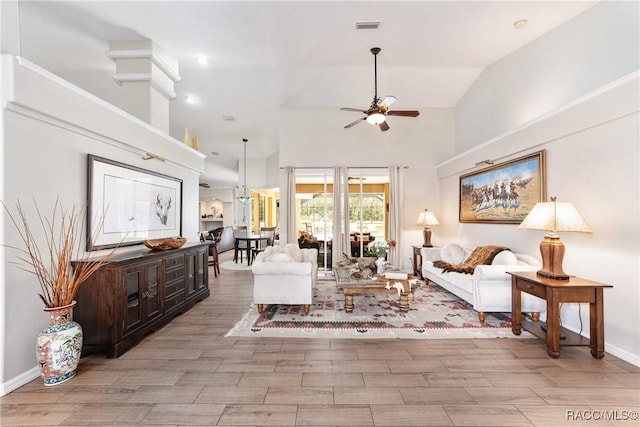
{"x": 203, "y": 60}
{"x": 189, "y": 99}
{"x": 521, "y": 23}
{"x": 228, "y": 118}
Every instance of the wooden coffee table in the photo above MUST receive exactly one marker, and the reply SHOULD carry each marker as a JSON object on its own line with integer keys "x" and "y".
{"x": 377, "y": 286}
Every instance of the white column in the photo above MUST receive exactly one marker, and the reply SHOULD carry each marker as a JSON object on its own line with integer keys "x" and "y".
{"x": 147, "y": 75}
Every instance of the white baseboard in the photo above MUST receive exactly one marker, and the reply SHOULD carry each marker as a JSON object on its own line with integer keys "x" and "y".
{"x": 19, "y": 381}
{"x": 634, "y": 359}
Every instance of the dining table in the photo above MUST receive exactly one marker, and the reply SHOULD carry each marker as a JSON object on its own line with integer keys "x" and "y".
{"x": 252, "y": 242}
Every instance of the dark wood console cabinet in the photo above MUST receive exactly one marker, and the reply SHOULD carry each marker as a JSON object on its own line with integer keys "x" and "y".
{"x": 138, "y": 292}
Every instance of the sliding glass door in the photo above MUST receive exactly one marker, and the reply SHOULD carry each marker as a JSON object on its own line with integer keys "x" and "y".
{"x": 314, "y": 209}
{"x": 368, "y": 201}
{"x": 368, "y": 198}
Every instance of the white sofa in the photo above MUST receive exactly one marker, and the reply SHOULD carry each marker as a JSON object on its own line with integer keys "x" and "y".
{"x": 488, "y": 289}
{"x": 285, "y": 274}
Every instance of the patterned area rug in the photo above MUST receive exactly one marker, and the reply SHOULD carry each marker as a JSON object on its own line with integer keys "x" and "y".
{"x": 434, "y": 313}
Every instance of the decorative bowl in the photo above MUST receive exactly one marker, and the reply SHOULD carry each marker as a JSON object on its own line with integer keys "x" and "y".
{"x": 164, "y": 244}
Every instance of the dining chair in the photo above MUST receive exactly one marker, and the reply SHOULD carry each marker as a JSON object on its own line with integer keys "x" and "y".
{"x": 270, "y": 234}
{"x": 214, "y": 239}
{"x": 240, "y": 247}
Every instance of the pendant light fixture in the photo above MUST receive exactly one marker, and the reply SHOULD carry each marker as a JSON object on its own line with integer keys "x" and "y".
{"x": 244, "y": 198}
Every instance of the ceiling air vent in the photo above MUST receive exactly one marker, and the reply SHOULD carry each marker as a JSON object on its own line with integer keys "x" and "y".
{"x": 228, "y": 118}
{"x": 367, "y": 25}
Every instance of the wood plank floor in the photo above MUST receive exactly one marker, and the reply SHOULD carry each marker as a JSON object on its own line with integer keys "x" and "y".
{"x": 189, "y": 374}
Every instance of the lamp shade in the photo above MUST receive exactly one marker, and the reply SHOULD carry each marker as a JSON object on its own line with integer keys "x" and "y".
{"x": 555, "y": 216}
{"x": 427, "y": 218}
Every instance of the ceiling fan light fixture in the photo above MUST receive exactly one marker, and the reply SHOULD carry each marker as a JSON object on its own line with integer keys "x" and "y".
{"x": 379, "y": 109}
{"x": 376, "y": 118}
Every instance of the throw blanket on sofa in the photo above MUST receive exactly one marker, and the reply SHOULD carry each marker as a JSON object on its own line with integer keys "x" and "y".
{"x": 480, "y": 255}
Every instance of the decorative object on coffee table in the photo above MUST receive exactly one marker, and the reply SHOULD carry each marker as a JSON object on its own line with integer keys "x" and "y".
{"x": 427, "y": 219}
{"x": 554, "y": 216}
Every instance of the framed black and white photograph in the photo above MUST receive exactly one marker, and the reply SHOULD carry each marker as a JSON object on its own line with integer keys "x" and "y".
{"x": 504, "y": 193}
{"x": 134, "y": 204}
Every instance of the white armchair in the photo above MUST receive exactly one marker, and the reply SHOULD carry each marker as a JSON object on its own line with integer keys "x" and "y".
{"x": 285, "y": 274}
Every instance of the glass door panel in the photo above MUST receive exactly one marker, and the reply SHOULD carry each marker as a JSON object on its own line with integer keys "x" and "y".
{"x": 314, "y": 208}
{"x": 368, "y": 201}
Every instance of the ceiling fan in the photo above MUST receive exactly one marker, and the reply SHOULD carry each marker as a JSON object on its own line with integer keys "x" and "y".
{"x": 379, "y": 109}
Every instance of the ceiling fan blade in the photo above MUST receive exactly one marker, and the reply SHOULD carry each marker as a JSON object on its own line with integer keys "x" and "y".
{"x": 354, "y": 123}
{"x": 384, "y": 126}
{"x": 353, "y": 109}
{"x": 404, "y": 113}
{"x": 388, "y": 100}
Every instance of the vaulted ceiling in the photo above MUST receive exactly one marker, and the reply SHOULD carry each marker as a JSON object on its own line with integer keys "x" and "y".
{"x": 266, "y": 55}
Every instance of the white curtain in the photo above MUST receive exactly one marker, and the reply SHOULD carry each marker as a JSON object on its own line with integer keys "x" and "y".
{"x": 396, "y": 176}
{"x": 340, "y": 244}
{"x": 288, "y": 233}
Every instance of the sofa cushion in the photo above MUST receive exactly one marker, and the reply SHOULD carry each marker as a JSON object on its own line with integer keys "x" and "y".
{"x": 452, "y": 253}
{"x": 280, "y": 257}
{"x": 505, "y": 258}
{"x": 293, "y": 251}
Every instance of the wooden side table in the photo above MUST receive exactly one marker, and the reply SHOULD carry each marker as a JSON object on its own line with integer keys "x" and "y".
{"x": 555, "y": 292}
{"x": 417, "y": 262}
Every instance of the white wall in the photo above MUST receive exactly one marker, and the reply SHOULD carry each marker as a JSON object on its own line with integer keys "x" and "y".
{"x": 49, "y": 128}
{"x": 598, "y": 46}
{"x": 575, "y": 93}
{"x": 596, "y": 168}
{"x": 228, "y": 202}
{"x": 316, "y": 138}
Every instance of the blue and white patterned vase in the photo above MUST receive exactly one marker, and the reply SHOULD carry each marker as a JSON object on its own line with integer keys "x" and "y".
{"x": 59, "y": 346}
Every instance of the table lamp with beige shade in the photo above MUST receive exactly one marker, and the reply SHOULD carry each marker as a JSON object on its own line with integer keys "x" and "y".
{"x": 427, "y": 219}
{"x": 554, "y": 216}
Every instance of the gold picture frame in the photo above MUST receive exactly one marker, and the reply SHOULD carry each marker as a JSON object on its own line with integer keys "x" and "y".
{"x": 504, "y": 193}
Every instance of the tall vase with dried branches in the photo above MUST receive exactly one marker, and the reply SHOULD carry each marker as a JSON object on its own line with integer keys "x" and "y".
{"x": 48, "y": 256}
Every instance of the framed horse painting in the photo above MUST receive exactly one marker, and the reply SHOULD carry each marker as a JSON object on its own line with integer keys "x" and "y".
{"x": 504, "y": 193}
